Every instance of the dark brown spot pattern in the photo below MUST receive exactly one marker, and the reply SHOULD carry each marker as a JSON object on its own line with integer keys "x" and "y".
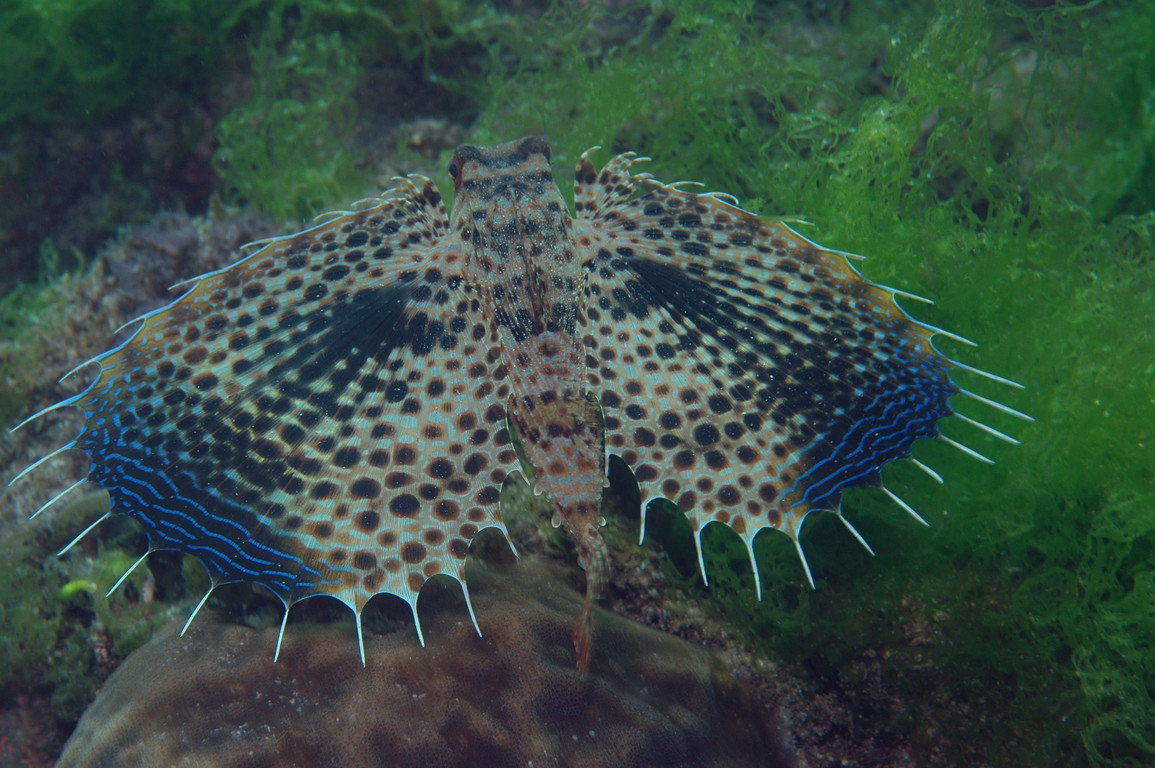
{"x": 756, "y": 375}
{"x": 333, "y": 413}
{"x": 318, "y": 432}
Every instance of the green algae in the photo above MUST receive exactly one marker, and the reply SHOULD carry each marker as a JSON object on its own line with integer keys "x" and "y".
{"x": 999, "y": 163}
{"x": 82, "y": 60}
{"x": 290, "y": 147}
{"x": 286, "y": 150}
{"x": 27, "y": 313}
{"x": 55, "y": 613}
{"x": 86, "y": 61}
{"x": 1059, "y": 294}
{"x": 995, "y": 157}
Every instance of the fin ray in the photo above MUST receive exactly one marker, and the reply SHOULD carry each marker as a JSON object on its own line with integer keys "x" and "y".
{"x": 196, "y": 610}
{"x": 934, "y": 475}
{"x": 58, "y": 497}
{"x": 127, "y": 573}
{"x": 281, "y": 634}
{"x": 66, "y": 447}
{"x": 909, "y": 509}
{"x": 854, "y": 532}
{"x": 968, "y": 451}
{"x": 805, "y": 565}
{"x": 996, "y": 405}
{"x": 985, "y": 374}
{"x": 701, "y": 559}
{"x": 360, "y": 637}
{"x": 749, "y": 542}
{"x": 469, "y": 604}
{"x": 989, "y": 430}
{"x": 83, "y": 533}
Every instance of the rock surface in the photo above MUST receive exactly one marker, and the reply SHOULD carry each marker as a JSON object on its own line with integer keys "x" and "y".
{"x": 512, "y": 698}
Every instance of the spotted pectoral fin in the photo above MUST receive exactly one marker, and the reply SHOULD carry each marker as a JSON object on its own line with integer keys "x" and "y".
{"x": 307, "y": 419}
{"x": 747, "y": 374}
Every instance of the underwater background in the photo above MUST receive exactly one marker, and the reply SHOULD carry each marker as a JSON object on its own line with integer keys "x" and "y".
{"x": 998, "y": 157}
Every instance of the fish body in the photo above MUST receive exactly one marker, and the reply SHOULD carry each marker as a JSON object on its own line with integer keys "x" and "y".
{"x": 517, "y": 234}
{"x": 336, "y": 412}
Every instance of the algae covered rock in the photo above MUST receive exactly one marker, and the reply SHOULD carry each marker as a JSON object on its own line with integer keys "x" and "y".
{"x": 510, "y": 698}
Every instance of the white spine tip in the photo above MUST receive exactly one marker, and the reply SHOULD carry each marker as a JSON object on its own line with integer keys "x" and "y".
{"x": 417, "y": 622}
{"x": 940, "y": 332}
{"x": 904, "y": 505}
{"x": 85, "y": 364}
{"x": 43, "y": 411}
{"x": 855, "y": 533}
{"x": 360, "y": 638}
{"x": 469, "y": 606}
{"x": 754, "y": 567}
{"x": 196, "y": 610}
{"x": 805, "y": 565}
{"x": 281, "y": 635}
{"x": 996, "y": 405}
{"x": 701, "y": 559}
{"x": 984, "y": 374}
{"x": 58, "y": 497}
{"x": 41, "y": 460}
{"x": 928, "y": 470}
{"x": 989, "y": 430}
{"x": 83, "y": 533}
{"x": 968, "y": 451}
{"x": 120, "y": 581}
{"x": 908, "y": 295}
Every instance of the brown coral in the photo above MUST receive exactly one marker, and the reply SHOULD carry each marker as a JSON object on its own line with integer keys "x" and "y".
{"x": 512, "y": 698}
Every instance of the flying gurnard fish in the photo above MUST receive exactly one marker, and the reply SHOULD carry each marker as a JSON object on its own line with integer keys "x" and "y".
{"x": 335, "y": 413}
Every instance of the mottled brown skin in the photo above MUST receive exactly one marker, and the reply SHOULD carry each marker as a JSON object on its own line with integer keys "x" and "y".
{"x": 336, "y": 413}
{"x": 518, "y": 239}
